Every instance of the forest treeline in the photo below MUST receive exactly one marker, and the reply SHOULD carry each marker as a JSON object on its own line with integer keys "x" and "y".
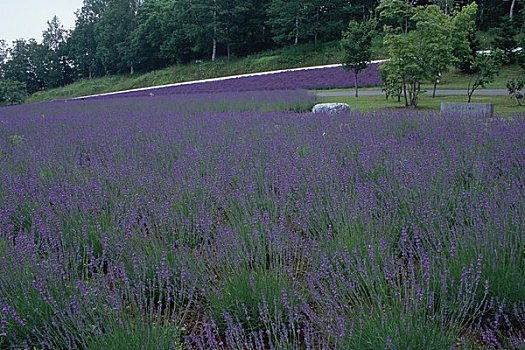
{"x": 126, "y": 36}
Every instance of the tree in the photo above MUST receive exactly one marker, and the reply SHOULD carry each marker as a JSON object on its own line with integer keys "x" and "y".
{"x": 59, "y": 69}
{"x": 421, "y": 54}
{"x": 485, "y": 68}
{"x": 82, "y": 44}
{"x": 12, "y": 92}
{"x": 506, "y": 37}
{"x": 515, "y": 88}
{"x": 490, "y": 13}
{"x": 357, "y": 46}
{"x": 426, "y": 51}
{"x": 465, "y": 42}
{"x": 3, "y": 52}
{"x": 113, "y": 36}
{"x": 434, "y": 31}
{"x": 511, "y": 11}
{"x": 54, "y": 35}
{"x": 3, "y": 56}
{"x": 28, "y": 64}
{"x": 396, "y": 14}
{"x": 392, "y": 84}
{"x": 404, "y": 63}
{"x": 286, "y": 18}
{"x": 152, "y": 31}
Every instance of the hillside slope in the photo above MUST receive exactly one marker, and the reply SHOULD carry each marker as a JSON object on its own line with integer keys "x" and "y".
{"x": 289, "y": 57}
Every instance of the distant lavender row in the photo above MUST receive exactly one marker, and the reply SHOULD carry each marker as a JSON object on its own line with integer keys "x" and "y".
{"x": 155, "y": 223}
{"x": 325, "y": 78}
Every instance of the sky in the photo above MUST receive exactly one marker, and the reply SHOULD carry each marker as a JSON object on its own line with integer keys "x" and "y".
{"x": 28, "y": 18}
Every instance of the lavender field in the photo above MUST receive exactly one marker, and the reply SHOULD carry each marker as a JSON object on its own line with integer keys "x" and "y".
{"x": 236, "y": 221}
{"x": 320, "y": 78}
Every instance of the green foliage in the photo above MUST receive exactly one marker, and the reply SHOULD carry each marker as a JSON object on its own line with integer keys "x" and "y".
{"x": 295, "y": 21}
{"x": 502, "y": 264}
{"x": 491, "y": 13}
{"x": 3, "y": 52}
{"x": 436, "y": 34}
{"x": 465, "y": 41}
{"x": 515, "y": 87}
{"x": 26, "y": 64}
{"x": 396, "y": 14}
{"x": 506, "y": 37}
{"x": 357, "y": 46}
{"x": 242, "y": 294}
{"x": 392, "y": 84}
{"x": 403, "y": 66}
{"x": 392, "y": 329}
{"x": 138, "y": 336}
{"x": 12, "y": 92}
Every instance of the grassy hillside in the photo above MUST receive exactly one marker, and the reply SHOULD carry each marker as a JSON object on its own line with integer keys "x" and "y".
{"x": 289, "y": 57}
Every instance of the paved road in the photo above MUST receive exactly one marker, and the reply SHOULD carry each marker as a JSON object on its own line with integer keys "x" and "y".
{"x": 484, "y": 92}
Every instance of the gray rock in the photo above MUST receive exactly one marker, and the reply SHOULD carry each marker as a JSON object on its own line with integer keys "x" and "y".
{"x": 484, "y": 109}
{"x": 331, "y": 108}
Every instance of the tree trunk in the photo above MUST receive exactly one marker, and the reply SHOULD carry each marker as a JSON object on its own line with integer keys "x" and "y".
{"x": 316, "y": 34}
{"x": 435, "y": 87}
{"x": 355, "y": 83}
{"x": 469, "y": 92}
{"x": 296, "y": 31}
{"x": 132, "y": 69}
{"x": 405, "y": 93}
{"x": 512, "y": 6}
{"x": 214, "y": 48}
{"x": 414, "y": 95}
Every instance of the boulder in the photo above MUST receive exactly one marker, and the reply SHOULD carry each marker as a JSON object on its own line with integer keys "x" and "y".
{"x": 484, "y": 109}
{"x": 331, "y": 108}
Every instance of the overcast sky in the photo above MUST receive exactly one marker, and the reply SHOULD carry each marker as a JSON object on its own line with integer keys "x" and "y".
{"x": 28, "y": 18}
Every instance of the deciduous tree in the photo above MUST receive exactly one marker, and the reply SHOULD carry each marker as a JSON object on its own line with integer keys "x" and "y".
{"x": 486, "y": 68}
{"x": 357, "y": 46}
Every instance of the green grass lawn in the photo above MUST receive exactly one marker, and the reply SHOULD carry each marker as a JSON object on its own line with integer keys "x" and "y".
{"x": 502, "y": 104}
{"x": 455, "y": 80}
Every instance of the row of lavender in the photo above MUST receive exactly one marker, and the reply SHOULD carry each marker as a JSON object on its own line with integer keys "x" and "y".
{"x": 323, "y": 78}
{"x": 132, "y": 224}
